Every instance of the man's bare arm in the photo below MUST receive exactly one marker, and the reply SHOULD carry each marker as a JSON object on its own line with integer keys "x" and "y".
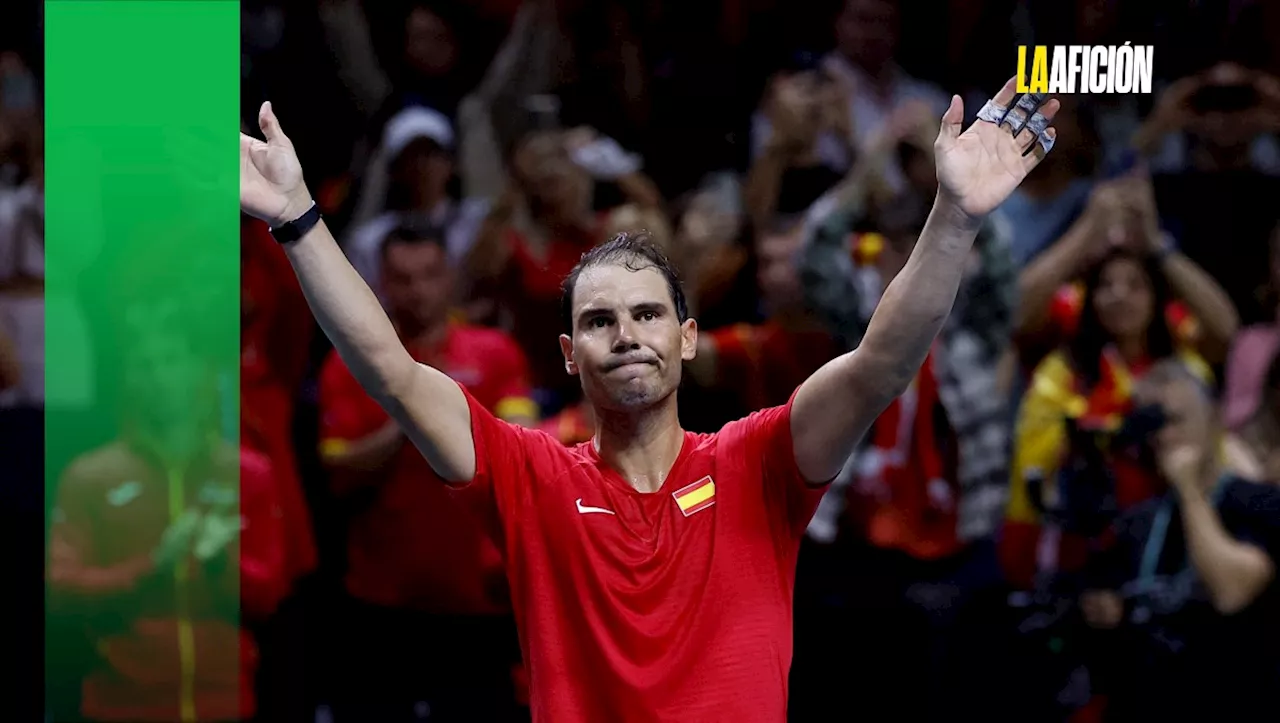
{"x": 834, "y": 408}
{"x": 977, "y": 170}
{"x": 426, "y": 403}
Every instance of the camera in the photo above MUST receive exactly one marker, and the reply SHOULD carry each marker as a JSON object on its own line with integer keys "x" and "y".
{"x": 1085, "y": 501}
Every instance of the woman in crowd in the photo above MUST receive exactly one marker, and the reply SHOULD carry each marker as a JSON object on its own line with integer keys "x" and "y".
{"x": 1080, "y": 401}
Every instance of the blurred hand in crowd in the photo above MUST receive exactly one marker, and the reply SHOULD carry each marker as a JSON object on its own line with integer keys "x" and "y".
{"x": 796, "y": 112}
{"x": 557, "y": 189}
{"x": 1225, "y": 107}
{"x": 1122, "y": 214}
{"x": 1102, "y": 609}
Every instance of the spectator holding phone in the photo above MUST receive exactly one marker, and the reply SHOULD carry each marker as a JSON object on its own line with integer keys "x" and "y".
{"x": 1189, "y": 587}
{"x": 1212, "y": 143}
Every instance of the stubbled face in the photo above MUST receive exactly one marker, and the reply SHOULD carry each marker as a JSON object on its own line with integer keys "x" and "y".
{"x": 1124, "y": 300}
{"x": 417, "y": 283}
{"x": 429, "y": 44}
{"x": 425, "y": 167}
{"x": 867, "y": 32}
{"x": 548, "y": 174}
{"x": 628, "y": 345}
{"x": 777, "y": 275}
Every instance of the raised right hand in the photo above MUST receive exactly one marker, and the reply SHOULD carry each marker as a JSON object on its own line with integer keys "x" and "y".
{"x": 271, "y": 185}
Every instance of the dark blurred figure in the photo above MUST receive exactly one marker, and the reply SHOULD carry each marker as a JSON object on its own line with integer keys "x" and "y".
{"x": 275, "y": 333}
{"x": 166, "y": 541}
{"x": 1188, "y": 591}
{"x": 399, "y": 54}
{"x": 1213, "y": 136}
{"x": 427, "y": 632}
{"x": 22, "y": 323}
{"x": 1253, "y": 447}
{"x": 1252, "y": 350}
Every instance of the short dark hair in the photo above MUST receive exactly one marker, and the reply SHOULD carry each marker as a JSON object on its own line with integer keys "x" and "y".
{"x": 633, "y": 250}
{"x": 414, "y": 234}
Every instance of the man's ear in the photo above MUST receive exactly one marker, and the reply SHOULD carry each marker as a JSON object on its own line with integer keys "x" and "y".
{"x": 566, "y": 348}
{"x": 688, "y": 339}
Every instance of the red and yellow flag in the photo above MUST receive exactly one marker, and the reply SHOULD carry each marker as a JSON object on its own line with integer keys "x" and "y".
{"x": 696, "y": 497}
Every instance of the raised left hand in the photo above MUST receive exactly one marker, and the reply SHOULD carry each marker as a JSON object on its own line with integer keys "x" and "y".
{"x": 979, "y": 168}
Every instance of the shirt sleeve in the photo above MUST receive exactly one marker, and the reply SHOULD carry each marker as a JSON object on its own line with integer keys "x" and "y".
{"x": 767, "y": 438}
{"x": 508, "y": 458}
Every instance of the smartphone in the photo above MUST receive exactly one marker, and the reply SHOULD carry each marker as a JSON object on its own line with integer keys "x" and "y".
{"x": 1224, "y": 98}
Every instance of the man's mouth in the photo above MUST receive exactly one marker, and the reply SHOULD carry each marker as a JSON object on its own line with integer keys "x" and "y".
{"x": 629, "y": 363}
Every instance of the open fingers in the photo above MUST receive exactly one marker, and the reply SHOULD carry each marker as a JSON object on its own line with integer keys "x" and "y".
{"x": 1030, "y": 129}
{"x": 1007, "y": 93}
{"x": 1039, "y": 149}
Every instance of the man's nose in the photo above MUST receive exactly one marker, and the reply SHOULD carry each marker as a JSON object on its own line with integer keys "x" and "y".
{"x": 624, "y": 339}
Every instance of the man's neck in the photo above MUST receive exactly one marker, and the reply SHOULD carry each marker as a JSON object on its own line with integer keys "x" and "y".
{"x": 642, "y": 447}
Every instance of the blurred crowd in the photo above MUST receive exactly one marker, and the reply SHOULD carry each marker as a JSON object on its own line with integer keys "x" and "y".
{"x": 1005, "y": 544}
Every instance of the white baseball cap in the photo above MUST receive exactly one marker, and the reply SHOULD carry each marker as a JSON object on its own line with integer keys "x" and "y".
{"x": 413, "y": 123}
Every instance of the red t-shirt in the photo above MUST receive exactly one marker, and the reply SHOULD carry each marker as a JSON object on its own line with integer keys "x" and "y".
{"x": 275, "y": 338}
{"x": 414, "y": 545}
{"x": 675, "y": 605}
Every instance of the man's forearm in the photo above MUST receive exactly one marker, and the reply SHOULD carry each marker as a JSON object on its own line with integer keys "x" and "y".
{"x": 1234, "y": 572}
{"x": 350, "y": 314}
{"x": 834, "y": 408}
{"x": 764, "y": 179}
{"x": 917, "y": 302}
{"x": 1207, "y": 301}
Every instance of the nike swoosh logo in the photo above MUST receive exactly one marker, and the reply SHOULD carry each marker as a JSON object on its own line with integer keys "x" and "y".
{"x": 583, "y": 509}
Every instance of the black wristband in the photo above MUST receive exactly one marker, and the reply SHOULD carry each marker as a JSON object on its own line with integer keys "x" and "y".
{"x": 297, "y": 228}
